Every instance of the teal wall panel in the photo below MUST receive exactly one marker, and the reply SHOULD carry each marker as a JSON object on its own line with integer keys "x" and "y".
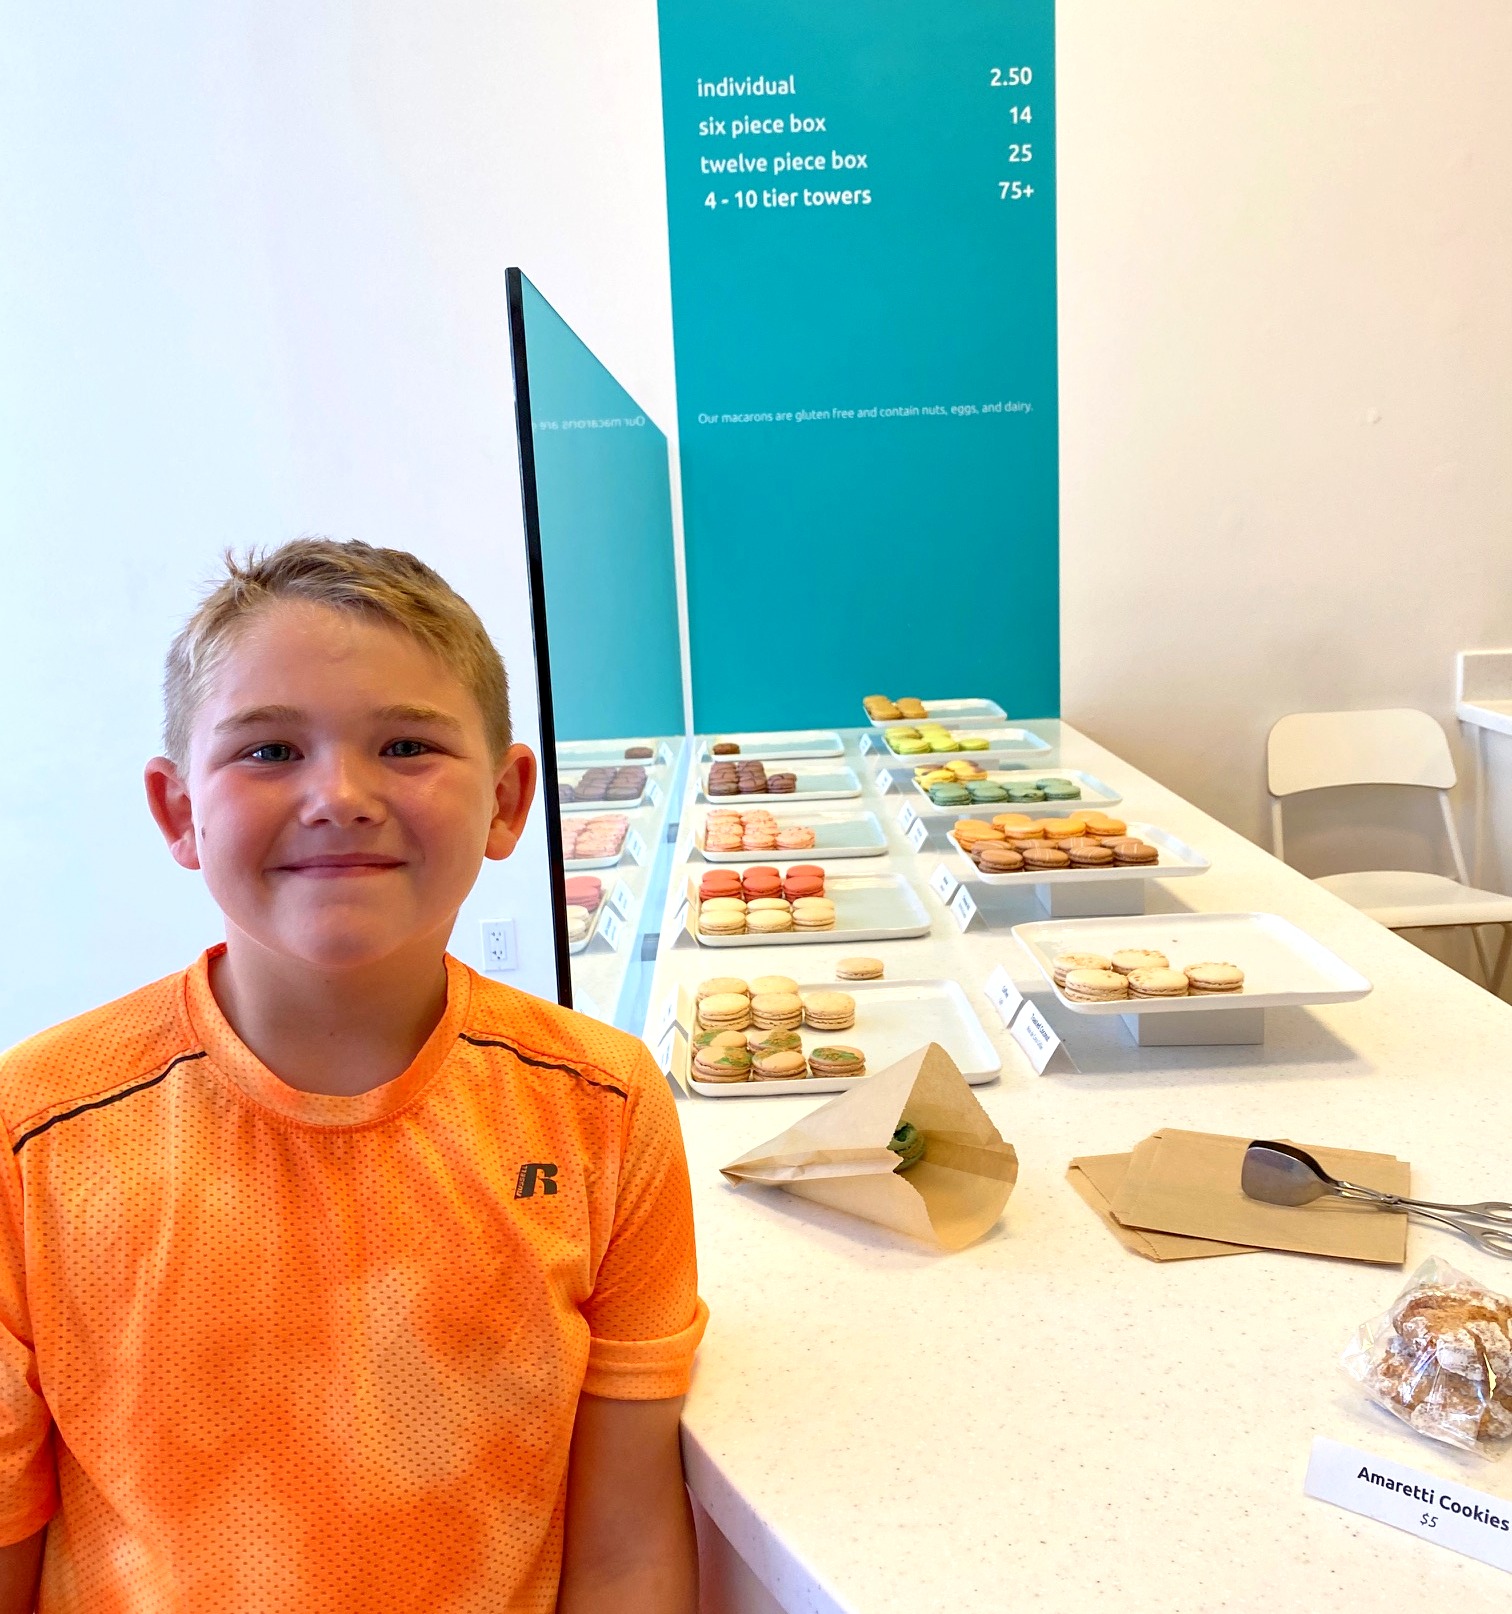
{"x": 866, "y": 355}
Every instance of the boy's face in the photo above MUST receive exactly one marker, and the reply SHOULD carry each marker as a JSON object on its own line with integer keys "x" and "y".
{"x": 340, "y": 793}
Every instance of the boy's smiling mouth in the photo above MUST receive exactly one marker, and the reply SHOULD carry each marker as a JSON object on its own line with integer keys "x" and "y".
{"x": 340, "y": 865}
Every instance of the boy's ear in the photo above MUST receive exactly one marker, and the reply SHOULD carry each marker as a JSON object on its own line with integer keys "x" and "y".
{"x": 514, "y": 790}
{"x": 168, "y": 801}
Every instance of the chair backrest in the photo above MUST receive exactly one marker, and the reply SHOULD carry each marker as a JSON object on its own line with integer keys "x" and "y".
{"x": 1319, "y": 750}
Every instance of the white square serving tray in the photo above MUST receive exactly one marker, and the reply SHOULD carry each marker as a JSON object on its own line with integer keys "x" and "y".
{"x": 1177, "y": 859}
{"x": 969, "y": 709}
{"x": 1283, "y": 966}
{"x": 816, "y": 781}
{"x": 1095, "y": 792}
{"x": 893, "y": 1018}
{"x": 836, "y": 834}
{"x": 790, "y": 746}
{"x": 868, "y": 907}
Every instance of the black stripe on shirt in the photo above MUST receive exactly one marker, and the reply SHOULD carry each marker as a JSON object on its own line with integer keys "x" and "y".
{"x": 100, "y": 1103}
{"x": 542, "y": 1064}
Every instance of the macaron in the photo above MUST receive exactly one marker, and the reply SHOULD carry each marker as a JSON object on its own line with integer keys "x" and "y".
{"x": 829, "y": 1011}
{"x": 720, "y": 984}
{"x": 719, "y": 883}
{"x": 584, "y": 890}
{"x": 1025, "y": 793}
{"x": 1063, "y": 963}
{"x": 1060, "y": 789}
{"x": 949, "y": 795}
{"x": 719, "y": 1039}
{"x": 1134, "y": 852}
{"x": 725, "y": 1011}
{"x": 761, "y": 882}
{"x": 1157, "y": 983}
{"x": 986, "y": 791}
{"x": 836, "y": 1060}
{"x": 722, "y": 922}
{"x": 998, "y": 859}
{"x": 796, "y": 885}
{"x": 1089, "y": 857}
{"x": 797, "y": 839}
{"x": 1039, "y": 856}
{"x": 1206, "y": 979}
{"x": 1128, "y": 959}
{"x": 765, "y": 984}
{"x": 722, "y": 1065}
{"x": 973, "y": 742}
{"x": 1094, "y": 986}
{"x": 578, "y": 922}
{"x": 859, "y": 969}
{"x": 722, "y": 905}
{"x": 813, "y": 913}
{"x": 772, "y": 1042}
{"x": 778, "y": 1065}
{"x": 769, "y": 921}
{"x": 777, "y": 1011}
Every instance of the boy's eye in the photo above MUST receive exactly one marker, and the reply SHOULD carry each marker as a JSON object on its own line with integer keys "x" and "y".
{"x": 273, "y": 751}
{"x": 406, "y": 748}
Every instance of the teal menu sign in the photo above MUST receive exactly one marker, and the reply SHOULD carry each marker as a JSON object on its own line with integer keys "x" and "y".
{"x": 861, "y": 199}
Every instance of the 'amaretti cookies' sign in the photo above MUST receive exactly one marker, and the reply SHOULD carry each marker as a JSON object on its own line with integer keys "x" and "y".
{"x": 1442, "y": 1511}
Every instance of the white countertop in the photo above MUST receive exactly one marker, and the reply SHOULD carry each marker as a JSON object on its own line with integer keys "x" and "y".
{"x": 1045, "y": 1420}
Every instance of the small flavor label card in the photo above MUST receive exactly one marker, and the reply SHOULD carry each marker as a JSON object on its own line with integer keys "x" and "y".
{"x": 1441, "y": 1511}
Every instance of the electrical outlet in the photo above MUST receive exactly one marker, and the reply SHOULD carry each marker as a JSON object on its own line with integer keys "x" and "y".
{"x": 500, "y": 951}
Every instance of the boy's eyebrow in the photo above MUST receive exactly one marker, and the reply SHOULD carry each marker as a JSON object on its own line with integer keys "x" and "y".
{"x": 254, "y": 716}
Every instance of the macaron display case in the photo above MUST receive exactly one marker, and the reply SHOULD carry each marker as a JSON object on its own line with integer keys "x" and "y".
{"x": 1283, "y": 967}
{"x": 893, "y": 1018}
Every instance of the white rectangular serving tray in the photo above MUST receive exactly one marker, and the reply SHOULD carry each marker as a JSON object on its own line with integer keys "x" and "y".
{"x": 1095, "y": 792}
{"x": 816, "y": 781}
{"x": 970, "y": 710}
{"x": 836, "y": 834}
{"x": 1283, "y": 966}
{"x": 868, "y": 907}
{"x": 893, "y": 1019}
{"x": 571, "y": 777}
{"x": 1177, "y": 859}
{"x": 1012, "y": 742}
{"x": 609, "y": 753}
{"x": 593, "y": 923}
{"x": 787, "y": 746}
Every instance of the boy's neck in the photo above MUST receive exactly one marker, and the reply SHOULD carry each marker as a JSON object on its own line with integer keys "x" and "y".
{"x": 338, "y": 1033}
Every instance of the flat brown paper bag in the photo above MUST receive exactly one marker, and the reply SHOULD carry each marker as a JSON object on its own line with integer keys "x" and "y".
{"x": 838, "y": 1154}
{"x": 1188, "y": 1183}
{"x": 1098, "y": 1178}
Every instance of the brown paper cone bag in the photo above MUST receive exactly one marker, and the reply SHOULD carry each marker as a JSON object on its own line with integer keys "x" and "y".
{"x": 839, "y": 1157}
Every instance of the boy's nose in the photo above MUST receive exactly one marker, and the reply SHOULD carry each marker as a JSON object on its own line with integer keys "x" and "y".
{"x": 342, "y": 791}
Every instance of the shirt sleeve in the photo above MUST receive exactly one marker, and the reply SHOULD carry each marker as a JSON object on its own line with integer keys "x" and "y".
{"x": 644, "y": 1315}
{"x": 28, "y": 1471}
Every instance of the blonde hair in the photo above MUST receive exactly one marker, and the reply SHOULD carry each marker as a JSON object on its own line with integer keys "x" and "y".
{"x": 385, "y": 585}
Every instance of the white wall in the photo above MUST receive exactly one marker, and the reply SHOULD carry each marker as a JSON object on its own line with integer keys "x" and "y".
{"x": 1286, "y": 379}
{"x": 253, "y": 286}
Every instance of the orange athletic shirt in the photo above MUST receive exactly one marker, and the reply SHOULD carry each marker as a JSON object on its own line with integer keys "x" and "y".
{"x": 266, "y": 1351}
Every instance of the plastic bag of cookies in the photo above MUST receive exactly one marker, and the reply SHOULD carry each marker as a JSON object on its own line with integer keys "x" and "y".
{"x": 1441, "y": 1359}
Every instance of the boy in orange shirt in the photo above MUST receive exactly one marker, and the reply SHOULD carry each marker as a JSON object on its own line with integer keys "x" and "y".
{"x": 334, "y": 1277}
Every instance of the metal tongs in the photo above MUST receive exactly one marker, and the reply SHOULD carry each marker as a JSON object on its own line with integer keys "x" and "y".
{"x": 1282, "y": 1174}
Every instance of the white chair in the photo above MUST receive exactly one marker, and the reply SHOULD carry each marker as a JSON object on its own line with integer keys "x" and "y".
{"x": 1325, "y": 750}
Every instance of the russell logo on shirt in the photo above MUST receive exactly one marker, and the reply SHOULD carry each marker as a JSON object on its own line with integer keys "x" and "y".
{"x": 535, "y": 1174}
